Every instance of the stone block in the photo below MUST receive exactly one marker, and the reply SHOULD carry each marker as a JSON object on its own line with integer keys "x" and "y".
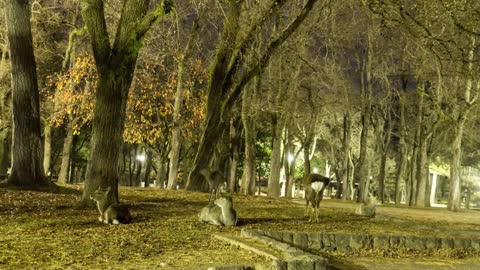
{"x": 287, "y": 237}
{"x": 475, "y": 244}
{"x": 462, "y": 243}
{"x": 275, "y": 235}
{"x": 397, "y": 242}
{"x": 358, "y": 242}
{"x": 415, "y": 243}
{"x": 315, "y": 241}
{"x": 300, "y": 240}
{"x": 381, "y": 242}
{"x": 343, "y": 242}
{"x": 432, "y": 243}
{"x": 328, "y": 240}
{"x": 447, "y": 243}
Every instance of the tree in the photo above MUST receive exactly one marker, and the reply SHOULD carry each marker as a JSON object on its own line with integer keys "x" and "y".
{"x": 230, "y": 73}
{"x": 27, "y": 167}
{"x": 115, "y": 65}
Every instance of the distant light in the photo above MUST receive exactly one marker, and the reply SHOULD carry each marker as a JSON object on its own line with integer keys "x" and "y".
{"x": 315, "y": 170}
{"x": 141, "y": 158}
{"x": 290, "y": 158}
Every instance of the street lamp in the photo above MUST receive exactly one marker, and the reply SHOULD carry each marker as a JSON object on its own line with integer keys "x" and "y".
{"x": 290, "y": 158}
{"x": 141, "y": 157}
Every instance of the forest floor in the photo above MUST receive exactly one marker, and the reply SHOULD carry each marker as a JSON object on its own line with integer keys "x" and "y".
{"x": 44, "y": 230}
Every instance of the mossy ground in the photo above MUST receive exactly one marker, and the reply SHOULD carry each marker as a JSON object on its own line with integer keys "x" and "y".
{"x": 46, "y": 230}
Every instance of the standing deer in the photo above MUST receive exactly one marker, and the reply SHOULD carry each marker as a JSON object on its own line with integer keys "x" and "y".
{"x": 215, "y": 179}
{"x": 314, "y": 185}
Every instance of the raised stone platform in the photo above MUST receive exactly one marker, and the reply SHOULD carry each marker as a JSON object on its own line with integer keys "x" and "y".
{"x": 283, "y": 255}
{"x": 353, "y": 242}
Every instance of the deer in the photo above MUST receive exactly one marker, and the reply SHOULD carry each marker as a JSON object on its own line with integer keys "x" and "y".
{"x": 369, "y": 209}
{"x": 220, "y": 213}
{"x": 215, "y": 179}
{"x": 110, "y": 213}
{"x": 314, "y": 185}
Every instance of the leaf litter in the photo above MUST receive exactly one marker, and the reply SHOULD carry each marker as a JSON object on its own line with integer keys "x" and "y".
{"x": 47, "y": 230}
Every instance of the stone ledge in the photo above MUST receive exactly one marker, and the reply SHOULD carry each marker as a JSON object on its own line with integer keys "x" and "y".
{"x": 283, "y": 256}
{"x": 353, "y": 242}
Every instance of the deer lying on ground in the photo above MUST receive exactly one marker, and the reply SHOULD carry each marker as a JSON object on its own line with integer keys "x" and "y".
{"x": 215, "y": 179}
{"x": 110, "y": 213}
{"x": 368, "y": 209}
{"x": 220, "y": 213}
{"x": 314, "y": 185}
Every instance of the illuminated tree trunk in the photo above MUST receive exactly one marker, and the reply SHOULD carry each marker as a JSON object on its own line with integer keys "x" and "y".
{"x": 176, "y": 138}
{"x": 115, "y": 66}
{"x": 249, "y": 127}
{"x": 402, "y": 152}
{"x": 66, "y": 155}
{"x": 47, "y": 151}
{"x": 275, "y": 159}
{"x": 289, "y": 164}
{"x": 27, "y": 167}
{"x": 462, "y": 107}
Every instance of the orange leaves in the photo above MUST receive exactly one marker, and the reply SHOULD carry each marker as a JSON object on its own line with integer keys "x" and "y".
{"x": 73, "y": 97}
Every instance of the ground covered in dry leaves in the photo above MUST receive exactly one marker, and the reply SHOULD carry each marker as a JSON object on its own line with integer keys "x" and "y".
{"x": 46, "y": 230}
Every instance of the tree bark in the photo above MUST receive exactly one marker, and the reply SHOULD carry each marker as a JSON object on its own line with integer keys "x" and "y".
{"x": 275, "y": 159}
{"x": 115, "y": 66}
{"x": 402, "y": 152}
{"x": 227, "y": 80}
{"x": 289, "y": 164}
{"x": 66, "y": 155}
{"x": 249, "y": 126}
{"x": 235, "y": 141}
{"x": 148, "y": 167}
{"x": 176, "y": 138}
{"x": 454, "y": 196}
{"x": 47, "y": 152}
{"x": 27, "y": 167}
{"x": 462, "y": 107}
{"x": 347, "y": 138}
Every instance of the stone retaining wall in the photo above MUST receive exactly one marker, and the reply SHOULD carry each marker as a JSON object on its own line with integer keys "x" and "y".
{"x": 352, "y": 242}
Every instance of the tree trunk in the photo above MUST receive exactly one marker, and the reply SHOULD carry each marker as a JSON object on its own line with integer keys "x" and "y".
{"x": 47, "y": 151}
{"x": 275, "y": 159}
{"x": 454, "y": 196}
{"x": 347, "y": 138}
{"x": 148, "y": 167}
{"x": 176, "y": 139}
{"x": 159, "y": 176}
{"x": 460, "y": 117}
{"x": 66, "y": 155}
{"x": 27, "y": 167}
{"x": 235, "y": 140}
{"x": 249, "y": 126}
{"x": 228, "y": 79}
{"x": 422, "y": 172}
{"x": 289, "y": 162}
{"x": 115, "y": 67}
{"x": 402, "y": 152}
{"x": 362, "y": 176}
{"x": 5, "y": 113}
